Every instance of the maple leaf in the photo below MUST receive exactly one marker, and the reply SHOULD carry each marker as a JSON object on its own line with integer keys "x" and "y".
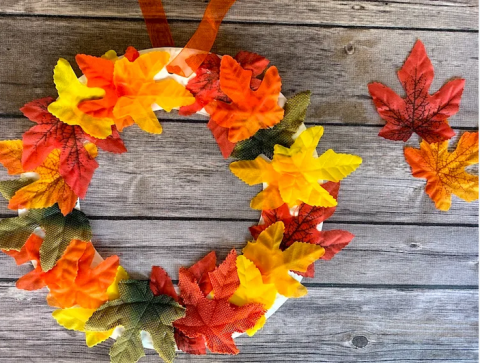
{"x": 216, "y": 319}
{"x": 205, "y": 86}
{"x": 264, "y": 141}
{"x": 70, "y": 93}
{"x": 51, "y": 187}
{"x": 445, "y": 171}
{"x": 302, "y": 225}
{"x": 137, "y": 90}
{"x": 59, "y": 231}
{"x": 294, "y": 173}
{"x": 249, "y": 110}
{"x": 201, "y": 272}
{"x": 275, "y": 264}
{"x": 76, "y": 164}
{"x": 138, "y": 309}
{"x": 252, "y": 290}
{"x": 76, "y": 318}
{"x": 419, "y": 111}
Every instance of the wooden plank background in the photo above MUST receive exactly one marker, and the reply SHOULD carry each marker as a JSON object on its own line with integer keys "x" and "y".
{"x": 406, "y": 289}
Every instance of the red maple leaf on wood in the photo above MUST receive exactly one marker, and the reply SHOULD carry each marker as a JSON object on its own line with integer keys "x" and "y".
{"x": 419, "y": 111}
{"x": 302, "y": 227}
{"x": 216, "y": 319}
{"x": 76, "y": 164}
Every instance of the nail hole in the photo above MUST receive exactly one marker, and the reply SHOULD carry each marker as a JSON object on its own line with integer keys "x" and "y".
{"x": 358, "y": 7}
{"x": 360, "y": 341}
{"x": 349, "y": 48}
{"x": 414, "y": 245}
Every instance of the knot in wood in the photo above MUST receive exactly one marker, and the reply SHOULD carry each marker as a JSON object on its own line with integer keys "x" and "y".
{"x": 360, "y": 341}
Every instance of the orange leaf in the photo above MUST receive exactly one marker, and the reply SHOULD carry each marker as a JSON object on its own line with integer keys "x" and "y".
{"x": 11, "y": 156}
{"x": 445, "y": 171}
{"x": 73, "y": 282}
{"x": 250, "y": 110}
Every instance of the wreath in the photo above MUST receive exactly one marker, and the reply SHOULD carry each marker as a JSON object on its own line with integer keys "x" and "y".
{"x": 251, "y": 122}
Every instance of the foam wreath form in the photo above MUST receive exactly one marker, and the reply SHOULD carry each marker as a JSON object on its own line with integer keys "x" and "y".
{"x": 251, "y": 121}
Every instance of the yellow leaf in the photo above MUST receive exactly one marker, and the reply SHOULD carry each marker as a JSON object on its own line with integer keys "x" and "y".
{"x": 138, "y": 91}
{"x": 275, "y": 264}
{"x": 445, "y": 171}
{"x": 11, "y": 156}
{"x": 70, "y": 93}
{"x": 76, "y": 318}
{"x": 294, "y": 175}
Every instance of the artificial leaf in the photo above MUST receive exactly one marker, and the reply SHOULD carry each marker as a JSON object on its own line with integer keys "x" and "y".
{"x": 138, "y": 309}
{"x": 76, "y": 318}
{"x": 294, "y": 173}
{"x": 252, "y": 289}
{"x": 264, "y": 141}
{"x": 29, "y": 251}
{"x": 76, "y": 164}
{"x": 252, "y": 62}
{"x": 249, "y": 110}
{"x": 419, "y": 111}
{"x": 190, "y": 345}
{"x": 137, "y": 90}
{"x": 8, "y": 188}
{"x": 275, "y": 264}
{"x": 99, "y": 73}
{"x": 201, "y": 272}
{"x": 445, "y": 171}
{"x": 221, "y": 137}
{"x": 11, "y": 156}
{"x": 216, "y": 319}
{"x": 161, "y": 283}
{"x": 70, "y": 93}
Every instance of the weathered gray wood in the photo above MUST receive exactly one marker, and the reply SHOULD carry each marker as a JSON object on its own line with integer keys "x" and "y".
{"x": 181, "y": 173}
{"x": 399, "y": 255}
{"x": 456, "y": 14}
{"x": 307, "y": 58}
{"x": 328, "y": 325}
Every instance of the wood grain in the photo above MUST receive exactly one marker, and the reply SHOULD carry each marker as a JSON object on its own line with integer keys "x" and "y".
{"x": 139, "y": 183}
{"x": 453, "y": 14}
{"x": 337, "y": 80}
{"x": 418, "y": 255}
{"x": 336, "y": 325}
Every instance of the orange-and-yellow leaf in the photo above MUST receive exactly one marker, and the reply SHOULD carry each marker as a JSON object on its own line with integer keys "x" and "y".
{"x": 70, "y": 93}
{"x": 445, "y": 171}
{"x": 249, "y": 110}
{"x": 11, "y": 156}
{"x": 294, "y": 175}
{"x": 137, "y": 90}
{"x": 275, "y": 264}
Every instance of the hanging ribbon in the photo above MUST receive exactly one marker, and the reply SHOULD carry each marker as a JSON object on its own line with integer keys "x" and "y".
{"x": 157, "y": 24}
{"x": 199, "y": 45}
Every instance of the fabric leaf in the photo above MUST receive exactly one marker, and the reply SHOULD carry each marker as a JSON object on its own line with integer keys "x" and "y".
{"x": 161, "y": 283}
{"x": 419, "y": 111}
{"x": 249, "y": 110}
{"x": 294, "y": 173}
{"x": 70, "y": 93}
{"x": 445, "y": 171}
{"x": 263, "y": 141}
{"x": 216, "y": 319}
{"x": 201, "y": 272}
{"x": 138, "y": 309}
{"x": 274, "y": 264}
{"x": 76, "y": 163}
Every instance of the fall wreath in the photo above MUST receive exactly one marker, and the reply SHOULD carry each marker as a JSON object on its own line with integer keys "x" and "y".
{"x": 250, "y": 120}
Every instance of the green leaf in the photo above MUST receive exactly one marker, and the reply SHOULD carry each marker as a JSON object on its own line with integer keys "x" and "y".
{"x": 8, "y": 188}
{"x": 264, "y": 141}
{"x": 138, "y": 309}
{"x": 15, "y": 231}
{"x": 60, "y": 230}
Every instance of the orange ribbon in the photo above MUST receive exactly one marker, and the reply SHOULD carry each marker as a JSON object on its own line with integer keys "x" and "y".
{"x": 157, "y": 24}
{"x": 197, "y": 48}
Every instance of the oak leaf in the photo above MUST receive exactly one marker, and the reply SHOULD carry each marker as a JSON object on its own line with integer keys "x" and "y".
{"x": 445, "y": 171}
{"x": 249, "y": 110}
{"x": 216, "y": 319}
{"x": 70, "y": 93}
{"x": 275, "y": 264}
{"x": 419, "y": 111}
{"x": 76, "y": 164}
{"x": 137, "y": 309}
{"x": 294, "y": 173}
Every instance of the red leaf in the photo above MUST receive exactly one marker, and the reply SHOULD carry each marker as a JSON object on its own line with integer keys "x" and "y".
{"x": 29, "y": 251}
{"x": 215, "y": 319}
{"x": 200, "y": 272}
{"x": 190, "y": 345}
{"x": 334, "y": 241}
{"x": 252, "y": 62}
{"x": 131, "y": 54}
{"x": 161, "y": 283}
{"x": 76, "y": 164}
{"x": 221, "y": 136}
{"x": 419, "y": 111}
